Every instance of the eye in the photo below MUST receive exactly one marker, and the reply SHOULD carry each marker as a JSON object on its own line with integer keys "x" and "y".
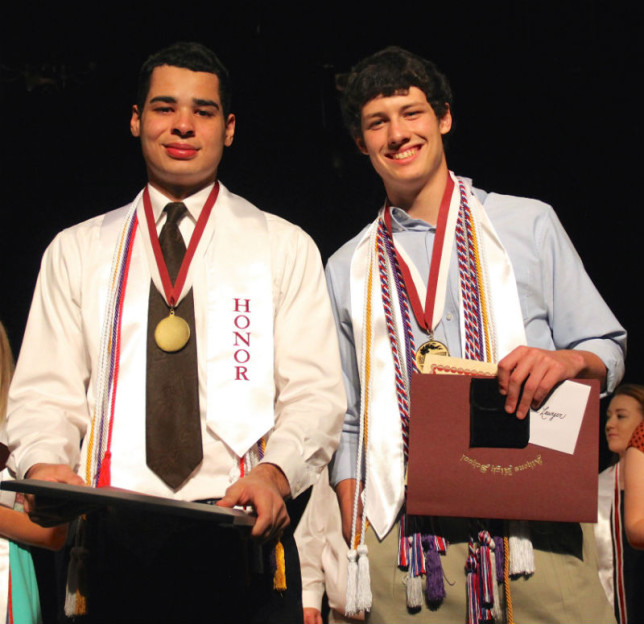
{"x": 204, "y": 113}
{"x": 375, "y": 123}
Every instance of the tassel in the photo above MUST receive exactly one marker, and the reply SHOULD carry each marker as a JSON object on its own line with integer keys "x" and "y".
{"x": 352, "y": 584}
{"x": 403, "y": 544}
{"x": 105, "y": 476}
{"x": 487, "y": 576}
{"x": 500, "y": 558}
{"x": 496, "y": 610}
{"x": 472, "y": 585}
{"x": 486, "y": 572}
{"x": 435, "y": 584}
{"x": 364, "y": 597}
{"x": 416, "y": 570}
{"x": 279, "y": 578}
{"x": 414, "y": 586}
{"x": 521, "y": 551}
{"x": 77, "y": 574}
{"x": 418, "y": 556}
{"x": 506, "y": 582}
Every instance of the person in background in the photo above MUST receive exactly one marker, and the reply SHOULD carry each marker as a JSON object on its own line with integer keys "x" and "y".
{"x": 634, "y": 493}
{"x": 19, "y": 596}
{"x": 323, "y": 556}
{"x": 621, "y": 568}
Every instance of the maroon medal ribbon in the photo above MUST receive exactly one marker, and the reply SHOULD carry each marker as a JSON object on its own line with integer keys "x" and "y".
{"x": 173, "y": 292}
{"x": 424, "y": 317}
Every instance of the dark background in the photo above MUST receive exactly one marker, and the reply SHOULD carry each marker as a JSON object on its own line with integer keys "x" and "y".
{"x": 545, "y": 106}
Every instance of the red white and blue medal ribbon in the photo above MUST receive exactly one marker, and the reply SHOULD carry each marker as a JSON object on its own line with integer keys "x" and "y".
{"x": 429, "y": 315}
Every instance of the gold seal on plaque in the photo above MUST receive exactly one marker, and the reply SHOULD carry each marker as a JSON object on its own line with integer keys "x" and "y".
{"x": 431, "y": 347}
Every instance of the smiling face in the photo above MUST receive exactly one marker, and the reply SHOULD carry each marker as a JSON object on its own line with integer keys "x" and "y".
{"x": 622, "y": 417}
{"x": 404, "y": 140}
{"x": 182, "y": 129}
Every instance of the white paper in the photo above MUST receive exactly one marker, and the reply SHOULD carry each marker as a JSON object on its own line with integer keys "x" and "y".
{"x": 556, "y": 424}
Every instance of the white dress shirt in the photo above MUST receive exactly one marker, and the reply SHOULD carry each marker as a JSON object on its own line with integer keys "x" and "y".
{"x": 53, "y": 392}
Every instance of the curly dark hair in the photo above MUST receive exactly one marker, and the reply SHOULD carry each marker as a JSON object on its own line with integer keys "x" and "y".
{"x": 387, "y": 72}
{"x": 189, "y": 55}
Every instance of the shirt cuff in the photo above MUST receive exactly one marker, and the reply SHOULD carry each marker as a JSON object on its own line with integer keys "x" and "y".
{"x": 345, "y": 460}
{"x": 298, "y": 473}
{"x": 41, "y": 456}
{"x": 612, "y": 355}
{"x": 312, "y": 597}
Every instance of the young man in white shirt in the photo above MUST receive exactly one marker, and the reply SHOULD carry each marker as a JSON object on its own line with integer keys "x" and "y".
{"x": 249, "y": 300}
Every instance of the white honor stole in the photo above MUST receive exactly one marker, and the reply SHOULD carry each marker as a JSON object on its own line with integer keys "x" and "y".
{"x": 384, "y": 461}
{"x": 241, "y": 384}
{"x": 603, "y": 530}
{"x": 231, "y": 271}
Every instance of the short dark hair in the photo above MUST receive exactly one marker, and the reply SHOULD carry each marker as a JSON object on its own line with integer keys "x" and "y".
{"x": 388, "y": 72}
{"x": 189, "y": 55}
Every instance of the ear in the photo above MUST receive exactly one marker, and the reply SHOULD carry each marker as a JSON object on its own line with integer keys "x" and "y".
{"x": 445, "y": 122}
{"x": 229, "y": 134}
{"x": 135, "y": 122}
{"x": 361, "y": 145}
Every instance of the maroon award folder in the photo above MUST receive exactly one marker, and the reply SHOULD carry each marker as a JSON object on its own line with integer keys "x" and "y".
{"x": 449, "y": 477}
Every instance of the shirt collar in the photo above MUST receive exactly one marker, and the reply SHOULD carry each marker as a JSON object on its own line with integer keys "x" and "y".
{"x": 194, "y": 203}
{"x": 401, "y": 222}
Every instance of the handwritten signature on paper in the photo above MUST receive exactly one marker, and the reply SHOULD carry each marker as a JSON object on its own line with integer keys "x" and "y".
{"x": 548, "y": 414}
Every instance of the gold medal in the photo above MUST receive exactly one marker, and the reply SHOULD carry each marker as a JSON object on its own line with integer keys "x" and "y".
{"x": 431, "y": 347}
{"x": 172, "y": 333}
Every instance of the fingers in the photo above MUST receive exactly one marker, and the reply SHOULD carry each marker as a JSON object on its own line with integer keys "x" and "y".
{"x": 263, "y": 495}
{"x": 527, "y": 376}
{"x": 30, "y": 503}
{"x": 43, "y": 512}
{"x": 50, "y": 512}
{"x": 59, "y": 473}
{"x": 272, "y": 519}
{"x": 229, "y": 500}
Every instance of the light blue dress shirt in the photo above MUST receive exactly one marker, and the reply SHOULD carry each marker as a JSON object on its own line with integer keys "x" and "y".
{"x": 561, "y": 307}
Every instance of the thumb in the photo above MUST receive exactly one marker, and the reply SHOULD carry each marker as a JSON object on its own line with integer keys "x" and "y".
{"x": 226, "y": 501}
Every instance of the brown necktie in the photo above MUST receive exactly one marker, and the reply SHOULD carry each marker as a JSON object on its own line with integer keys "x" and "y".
{"x": 173, "y": 423}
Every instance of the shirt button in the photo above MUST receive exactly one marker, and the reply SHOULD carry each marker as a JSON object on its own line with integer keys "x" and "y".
{"x": 449, "y": 316}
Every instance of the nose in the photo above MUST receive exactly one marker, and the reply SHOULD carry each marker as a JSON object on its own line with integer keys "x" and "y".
{"x": 183, "y": 124}
{"x": 398, "y": 133}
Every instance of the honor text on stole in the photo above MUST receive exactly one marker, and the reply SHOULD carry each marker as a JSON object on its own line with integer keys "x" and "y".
{"x": 241, "y": 337}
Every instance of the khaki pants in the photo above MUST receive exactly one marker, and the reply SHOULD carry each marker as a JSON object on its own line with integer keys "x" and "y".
{"x": 564, "y": 589}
